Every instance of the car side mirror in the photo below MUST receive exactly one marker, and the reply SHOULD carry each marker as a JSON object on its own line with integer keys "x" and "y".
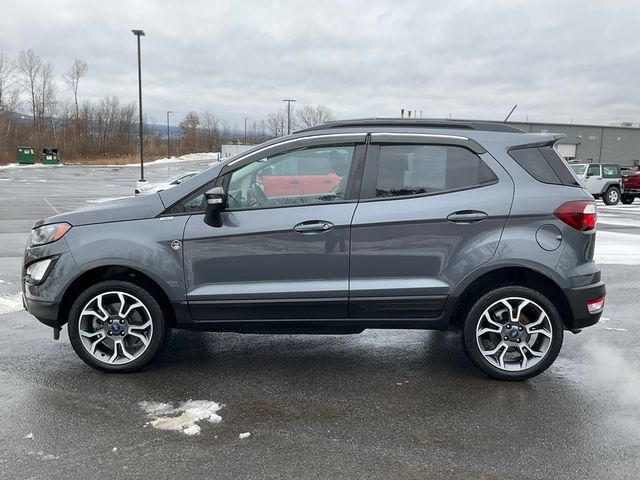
{"x": 588, "y": 175}
{"x": 216, "y": 199}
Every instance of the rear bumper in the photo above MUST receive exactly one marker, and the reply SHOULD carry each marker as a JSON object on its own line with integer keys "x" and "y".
{"x": 578, "y": 298}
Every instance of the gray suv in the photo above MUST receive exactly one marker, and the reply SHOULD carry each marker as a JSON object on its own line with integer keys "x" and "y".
{"x": 358, "y": 224}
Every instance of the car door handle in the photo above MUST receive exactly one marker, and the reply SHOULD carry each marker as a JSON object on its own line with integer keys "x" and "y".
{"x": 294, "y": 182}
{"x": 313, "y": 226}
{"x": 466, "y": 216}
{"x": 327, "y": 182}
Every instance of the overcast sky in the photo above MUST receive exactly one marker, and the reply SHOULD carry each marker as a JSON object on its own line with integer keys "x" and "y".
{"x": 558, "y": 60}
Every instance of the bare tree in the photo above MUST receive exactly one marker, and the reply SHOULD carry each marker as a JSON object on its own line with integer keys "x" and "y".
{"x": 72, "y": 78}
{"x": 189, "y": 126}
{"x": 210, "y": 132}
{"x": 30, "y": 66}
{"x": 7, "y": 70}
{"x": 276, "y": 122}
{"x": 310, "y": 116}
{"x": 46, "y": 96}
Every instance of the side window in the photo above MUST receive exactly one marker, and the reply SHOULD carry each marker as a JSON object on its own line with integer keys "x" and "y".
{"x": 421, "y": 169}
{"x": 610, "y": 171}
{"x": 593, "y": 171}
{"x": 301, "y": 177}
{"x": 534, "y": 162}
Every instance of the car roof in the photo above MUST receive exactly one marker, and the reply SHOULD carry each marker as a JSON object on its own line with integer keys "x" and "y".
{"x": 416, "y": 122}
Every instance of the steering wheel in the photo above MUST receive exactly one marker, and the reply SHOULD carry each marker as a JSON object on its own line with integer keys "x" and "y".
{"x": 256, "y": 195}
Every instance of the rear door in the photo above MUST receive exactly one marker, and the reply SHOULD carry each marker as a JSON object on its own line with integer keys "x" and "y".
{"x": 429, "y": 214}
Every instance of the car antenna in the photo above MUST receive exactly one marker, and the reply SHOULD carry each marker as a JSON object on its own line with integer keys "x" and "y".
{"x": 514, "y": 107}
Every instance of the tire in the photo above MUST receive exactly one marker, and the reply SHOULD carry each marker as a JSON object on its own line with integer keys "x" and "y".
{"x": 118, "y": 316}
{"x": 528, "y": 340}
{"x": 611, "y": 196}
{"x": 627, "y": 199}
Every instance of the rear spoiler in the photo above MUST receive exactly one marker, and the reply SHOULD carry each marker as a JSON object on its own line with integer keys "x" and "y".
{"x": 546, "y": 142}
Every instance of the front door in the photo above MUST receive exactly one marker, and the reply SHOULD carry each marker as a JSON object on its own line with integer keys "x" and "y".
{"x": 281, "y": 253}
{"x": 428, "y": 215}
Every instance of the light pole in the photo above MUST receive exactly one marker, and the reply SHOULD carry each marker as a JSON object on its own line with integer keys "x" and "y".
{"x": 245, "y": 129}
{"x": 138, "y": 34}
{"x": 168, "y": 135}
{"x": 288, "y": 100}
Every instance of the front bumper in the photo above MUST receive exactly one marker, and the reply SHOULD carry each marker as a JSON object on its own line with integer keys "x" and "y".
{"x": 45, "y": 312}
{"x": 577, "y": 298}
{"x": 43, "y": 300}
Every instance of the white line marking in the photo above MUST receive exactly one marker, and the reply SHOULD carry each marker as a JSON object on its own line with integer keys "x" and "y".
{"x": 52, "y": 207}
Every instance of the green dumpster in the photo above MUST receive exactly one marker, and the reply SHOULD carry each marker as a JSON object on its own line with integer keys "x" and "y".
{"x": 50, "y": 156}
{"x": 26, "y": 155}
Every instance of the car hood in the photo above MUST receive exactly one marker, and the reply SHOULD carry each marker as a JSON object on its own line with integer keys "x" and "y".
{"x": 120, "y": 210}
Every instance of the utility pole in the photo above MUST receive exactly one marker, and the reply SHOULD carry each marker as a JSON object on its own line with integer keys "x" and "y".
{"x": 168, "y": 136}
{"x": 245, "y": 129}
{"x": 138, "y": 34}
{"x": 288, "y": 100}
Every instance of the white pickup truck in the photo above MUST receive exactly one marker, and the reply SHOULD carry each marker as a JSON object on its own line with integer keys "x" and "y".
{"x": 602, "y": 180}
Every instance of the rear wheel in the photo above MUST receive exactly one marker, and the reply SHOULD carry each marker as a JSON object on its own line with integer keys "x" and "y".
{"x": 611, "y": 196}
{"x": 116, "y": 326}
{"x": 627, "y": 199}
{"x": 513, "y": 333}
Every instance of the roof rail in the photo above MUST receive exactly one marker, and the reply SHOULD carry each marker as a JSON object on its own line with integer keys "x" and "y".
{"x": 417, "y": 122}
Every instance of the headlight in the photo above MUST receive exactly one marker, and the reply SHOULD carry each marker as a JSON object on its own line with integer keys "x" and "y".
{"x": 37, "y": 270}
{"x": 48, "y": 233}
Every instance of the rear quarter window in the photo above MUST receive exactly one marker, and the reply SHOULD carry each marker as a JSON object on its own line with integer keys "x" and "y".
{"x": 545, "y": 165}
{"x": 610, "y": 171}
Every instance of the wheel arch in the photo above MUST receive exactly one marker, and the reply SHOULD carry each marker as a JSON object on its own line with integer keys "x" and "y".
{"x": 527, "y": 276}
{"x": 114, "y": 272}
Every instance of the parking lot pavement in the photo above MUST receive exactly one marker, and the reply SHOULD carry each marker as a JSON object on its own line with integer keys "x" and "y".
{"x": 382, "y": 404}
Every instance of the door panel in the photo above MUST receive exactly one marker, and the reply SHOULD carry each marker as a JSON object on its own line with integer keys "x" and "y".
{"x": 255, "y": 264}
{"x": 406, "y": 255}
{"x": 593, "y": 181}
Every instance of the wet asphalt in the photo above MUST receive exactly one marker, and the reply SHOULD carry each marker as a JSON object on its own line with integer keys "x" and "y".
{"x": 385, "y": 404}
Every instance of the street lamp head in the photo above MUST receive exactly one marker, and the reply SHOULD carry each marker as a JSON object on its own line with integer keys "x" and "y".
{"x": 139, "y": 33}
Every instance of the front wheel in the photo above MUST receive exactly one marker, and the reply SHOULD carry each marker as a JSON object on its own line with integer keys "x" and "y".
{"x": 116, "y": 326}
{"x": 627, "y": 199}
{"x": 513, "y": 333}
{"x": 611, "y": 196}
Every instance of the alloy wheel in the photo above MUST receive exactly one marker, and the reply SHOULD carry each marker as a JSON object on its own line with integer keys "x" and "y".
{"x": 115, "y": 327}
{"x": 514, "y": 334}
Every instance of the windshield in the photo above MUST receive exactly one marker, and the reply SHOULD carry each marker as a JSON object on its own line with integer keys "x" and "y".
{"x": 578, "y": 169}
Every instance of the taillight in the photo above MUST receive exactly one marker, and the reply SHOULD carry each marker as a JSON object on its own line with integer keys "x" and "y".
{"x": 580, "y": 214}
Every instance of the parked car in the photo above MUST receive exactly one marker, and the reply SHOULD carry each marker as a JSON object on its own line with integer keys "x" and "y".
{"x": 602, "y": 180}
{"x": 169, "y": 183}
{"x": 468, "y": 226}
{"x": 630, "y": 188}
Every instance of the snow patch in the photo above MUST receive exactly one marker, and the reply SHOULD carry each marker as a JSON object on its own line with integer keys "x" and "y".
{"x": 611, "y": 329}
{"x": 244, "y": 435}
{"x": 10, "y": 303}
{"x": 183, "y": 418}
{"x": 29, "y": 436}
{"x": 183, "y": 158}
